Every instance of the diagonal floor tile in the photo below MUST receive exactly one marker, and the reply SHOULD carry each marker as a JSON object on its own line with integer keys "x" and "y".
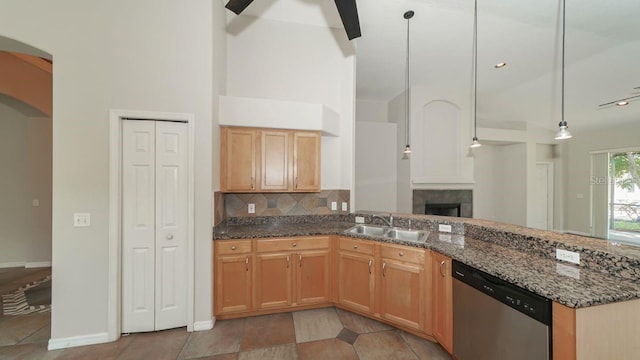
{"x": 360, "y": 324}
{"x": 106, "y": 351}
{"x": 282, "y": 352}
{"x": 268, "y": 330}
{"x": 326, "y": 349}
{"x": 41, "y": 336}
{"x": 224, "y": 338}
{"x": 425, "y": 349}
{"x": 318, "y": 324}
{"x": 29, "y": 351}
{"x": 383, "y": 345}
{"x": 165, "y": 344}
{"x": 16, "y": 328}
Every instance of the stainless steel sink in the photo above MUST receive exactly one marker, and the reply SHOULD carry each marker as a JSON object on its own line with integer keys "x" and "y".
{"x": 369, "y": 230}
{"x": 389, "y": 233}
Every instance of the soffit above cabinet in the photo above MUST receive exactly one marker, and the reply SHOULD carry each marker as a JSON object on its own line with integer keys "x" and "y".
{"x": 278, "y": 114}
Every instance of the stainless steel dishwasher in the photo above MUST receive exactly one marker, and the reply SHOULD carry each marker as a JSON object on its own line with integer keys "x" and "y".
{"x": 496, "y": 320}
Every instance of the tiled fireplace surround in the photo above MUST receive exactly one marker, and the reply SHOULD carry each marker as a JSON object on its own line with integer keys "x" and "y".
{"x": 462, "y": 197}
{"x": 278, "y": 204}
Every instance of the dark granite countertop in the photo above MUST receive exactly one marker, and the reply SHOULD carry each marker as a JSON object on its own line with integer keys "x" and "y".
{"x": 524, "y": 265}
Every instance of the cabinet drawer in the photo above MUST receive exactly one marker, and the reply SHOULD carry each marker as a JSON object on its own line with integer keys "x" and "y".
{"x": 358, "y": 246}
{"x": 292, "y": 244}
{"x": 402, "y": 253}
{"x": 227, "y": 247}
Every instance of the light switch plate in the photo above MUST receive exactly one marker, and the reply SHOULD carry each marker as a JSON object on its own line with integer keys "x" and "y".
{"x": 35, "y": 202}
{"x": 334, "y": 206}
{"x": 251, "y": 208}
{"x": 444, "y": 228}
{"x": 569, "y": 256}
{"x": 81, "y": 219}
{"x": 344, "y": 206}
{"x": 359, "y": 219}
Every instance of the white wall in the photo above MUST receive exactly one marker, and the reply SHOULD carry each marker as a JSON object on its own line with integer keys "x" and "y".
{"x": 142, "y": 55}
{"x": 25, "y": 154}
{"x": 485, "y": 197}
{"x": 285, "y": 61}
{"x": 376, "y": 161}
{"x": 578, "y": 165}
{"x": 372, "y": 110}
{"x": 403, "y": 182}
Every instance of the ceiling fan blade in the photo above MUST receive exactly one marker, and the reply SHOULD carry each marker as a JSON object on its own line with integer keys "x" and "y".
{"x": 349, "y": 15}
{"x": 238, "y": 6}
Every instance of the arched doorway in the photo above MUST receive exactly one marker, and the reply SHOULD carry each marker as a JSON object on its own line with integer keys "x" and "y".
{"x": 26, "y": 190}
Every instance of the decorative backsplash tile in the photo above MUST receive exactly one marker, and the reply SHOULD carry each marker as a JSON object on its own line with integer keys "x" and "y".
{"x": 279, "y": 204}
{"x": 218, "y": 210}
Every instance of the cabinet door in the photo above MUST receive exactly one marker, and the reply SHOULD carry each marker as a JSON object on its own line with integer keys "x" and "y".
{"x": 312, "y": 280}
{"x": 274, "y": 154}
{"x": 402, "y": 294}
{"x": 356, "y": 281}
{"x": 442, "y": 313}
{"x": 233, "y": 284}
{"x": 273, "y": 280}
{"x": 237, "y": 159}
{"x": 306, "y": 161}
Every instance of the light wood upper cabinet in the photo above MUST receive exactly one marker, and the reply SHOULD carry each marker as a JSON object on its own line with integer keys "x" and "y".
{"x": 264, "y": 160}
{"x": 238, "y": 170}
{"x": 403, "y": 283}
{"x": 275, "y": 160}
{"x": 442, "y": 295}
{"x": 306, "y": 161}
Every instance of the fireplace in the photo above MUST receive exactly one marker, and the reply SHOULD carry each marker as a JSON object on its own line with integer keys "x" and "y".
{"x": 443, "y": 202}
{"x": 442, "y": 209}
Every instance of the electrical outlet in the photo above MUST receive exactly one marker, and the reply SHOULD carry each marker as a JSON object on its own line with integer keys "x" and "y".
{"x": 35, "y": 202}
{"x": 444, "y": 228}
{"x": 569, "y": 256}
{"x": 81, "y": 219}
{"x": 344, "y": 206}
{"x": 359, "y": 219}
{"x": 334, "y": 206}
{"x": 251, "y": 208}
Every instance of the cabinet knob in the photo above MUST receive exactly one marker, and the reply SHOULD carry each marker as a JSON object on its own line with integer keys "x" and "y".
{"x": 233, "y": 247}
{"x": 401, "y": 253}
{"x": 294, "y": 244}
{"x": 355, "y": 246}
{"x": 170, "y": 237}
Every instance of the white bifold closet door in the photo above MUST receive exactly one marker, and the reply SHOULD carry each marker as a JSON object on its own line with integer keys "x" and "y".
{"x": 154, "y": 225}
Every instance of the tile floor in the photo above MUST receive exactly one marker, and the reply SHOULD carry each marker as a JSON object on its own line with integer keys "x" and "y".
{"x": 313, "y": 334}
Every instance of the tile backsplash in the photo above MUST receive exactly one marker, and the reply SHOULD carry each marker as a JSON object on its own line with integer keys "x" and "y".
{"x": 279, "y": 204}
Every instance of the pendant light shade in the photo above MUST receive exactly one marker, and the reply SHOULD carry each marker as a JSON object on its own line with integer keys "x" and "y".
{"x": 407, "y": 149}
{"x": 475, "y": 143}
{"x": 563, "y": 133}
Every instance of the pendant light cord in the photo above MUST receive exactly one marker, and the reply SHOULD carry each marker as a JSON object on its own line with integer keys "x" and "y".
{"x": 407, "y": 93}
{"x": 562, "y": 81}
{"x": 475, "y": 70}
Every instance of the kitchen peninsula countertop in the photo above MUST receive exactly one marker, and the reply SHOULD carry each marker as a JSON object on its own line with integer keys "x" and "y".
{"x": 509, "y": 252}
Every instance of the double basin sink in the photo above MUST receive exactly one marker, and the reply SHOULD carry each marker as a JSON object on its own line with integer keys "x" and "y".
{"x": 388, "y": 232}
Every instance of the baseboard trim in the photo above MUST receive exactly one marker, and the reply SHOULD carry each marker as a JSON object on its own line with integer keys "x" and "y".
{"x": 203, "y": 325}
{"x": 73, "y": 341}
{"x": 12, "y": 264}
{"x": 37, "y": 264}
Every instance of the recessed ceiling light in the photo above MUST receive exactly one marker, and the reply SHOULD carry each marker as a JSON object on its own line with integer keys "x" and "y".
{"x": 622, "y": 103}
{"x": 500, "y": 65}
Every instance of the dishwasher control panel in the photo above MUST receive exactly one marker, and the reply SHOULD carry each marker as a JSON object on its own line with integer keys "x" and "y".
{"x": 520, "y": 299}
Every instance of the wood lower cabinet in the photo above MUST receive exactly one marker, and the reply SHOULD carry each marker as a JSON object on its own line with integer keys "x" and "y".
{"x": 312, "y": 277}
{"x": 356, "y": 275}
{"x": 233, "y": 276}
{"x": 442, "y": 297}
{"x": 274, "y": 285}
{"x": 403, "y": 285}
{"x": 291, "y": 272}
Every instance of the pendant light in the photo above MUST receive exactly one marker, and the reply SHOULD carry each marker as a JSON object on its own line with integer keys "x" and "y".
{"x": 407, "y": 149}
{"x": 475, "y": 143}
{"x": 563, "y": 133}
